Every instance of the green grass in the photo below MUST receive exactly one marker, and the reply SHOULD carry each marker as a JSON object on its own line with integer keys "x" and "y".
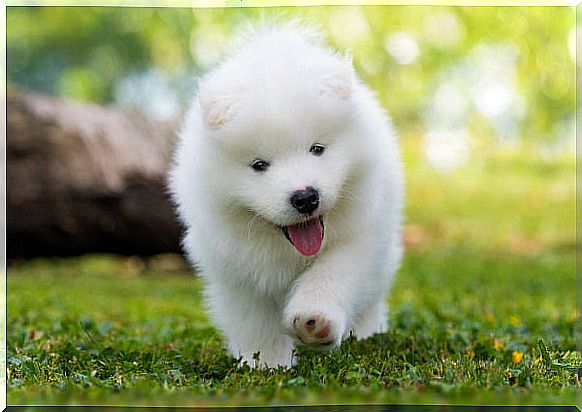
{"x": 489, "y": 271}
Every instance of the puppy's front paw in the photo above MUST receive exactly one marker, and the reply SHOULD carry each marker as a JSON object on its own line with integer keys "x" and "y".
{"x": 316, "y": 330}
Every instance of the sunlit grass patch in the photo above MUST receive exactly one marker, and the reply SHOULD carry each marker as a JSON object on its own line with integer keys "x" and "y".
{"x": 74, "y": 333}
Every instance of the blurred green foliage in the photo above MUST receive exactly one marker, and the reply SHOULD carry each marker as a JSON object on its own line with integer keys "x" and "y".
{"x": 86, "y": 53}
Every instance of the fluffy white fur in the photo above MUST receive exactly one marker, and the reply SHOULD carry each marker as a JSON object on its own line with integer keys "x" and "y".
{"x": 272, "y": 99}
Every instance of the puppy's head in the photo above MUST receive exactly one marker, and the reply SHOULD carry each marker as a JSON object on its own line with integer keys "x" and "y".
{"x": 279, "y": 118}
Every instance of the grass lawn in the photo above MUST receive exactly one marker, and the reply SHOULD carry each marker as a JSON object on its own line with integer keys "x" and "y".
{"x": 489, "y": 271}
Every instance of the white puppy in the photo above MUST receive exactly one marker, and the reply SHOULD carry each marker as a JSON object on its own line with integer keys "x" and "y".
{"x": 288, "y": 179}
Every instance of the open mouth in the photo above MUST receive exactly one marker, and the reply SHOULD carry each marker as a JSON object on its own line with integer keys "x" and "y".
{"x": 306, "y": 237}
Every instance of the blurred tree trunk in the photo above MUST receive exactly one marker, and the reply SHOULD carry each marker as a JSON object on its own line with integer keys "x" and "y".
{"x": 83, "y": 178}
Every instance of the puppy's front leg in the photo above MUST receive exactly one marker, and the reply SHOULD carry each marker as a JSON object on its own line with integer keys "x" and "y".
{"x": 327, "y": 299}
{"x": 252, "y": 324}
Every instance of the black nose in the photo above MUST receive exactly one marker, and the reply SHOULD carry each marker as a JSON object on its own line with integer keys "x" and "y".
{"x": 305, "y": 201}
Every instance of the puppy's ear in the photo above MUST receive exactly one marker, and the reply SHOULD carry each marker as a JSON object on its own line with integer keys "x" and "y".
{"x": 338, "y": 82}
{"x": 218, "y": 104}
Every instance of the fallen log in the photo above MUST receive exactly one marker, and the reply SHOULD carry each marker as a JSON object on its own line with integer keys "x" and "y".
{"x": 83, "y": 178}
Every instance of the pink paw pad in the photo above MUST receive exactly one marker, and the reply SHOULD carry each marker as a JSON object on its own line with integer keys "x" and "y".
{"x": 313, "y": 330}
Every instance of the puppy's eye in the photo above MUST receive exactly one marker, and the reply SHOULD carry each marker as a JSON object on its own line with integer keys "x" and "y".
{"x": 260, "y": 165}
{"x": 317, "y": 149}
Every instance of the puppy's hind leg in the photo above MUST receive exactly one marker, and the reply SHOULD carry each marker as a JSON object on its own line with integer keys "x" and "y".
{"x": 373, "y": 320}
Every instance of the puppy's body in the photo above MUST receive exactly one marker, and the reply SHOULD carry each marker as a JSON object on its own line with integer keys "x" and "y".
{"x": 276, "y": 273}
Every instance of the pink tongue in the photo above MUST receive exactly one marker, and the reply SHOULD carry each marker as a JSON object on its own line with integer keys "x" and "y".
{"x": 307, "y": 237}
